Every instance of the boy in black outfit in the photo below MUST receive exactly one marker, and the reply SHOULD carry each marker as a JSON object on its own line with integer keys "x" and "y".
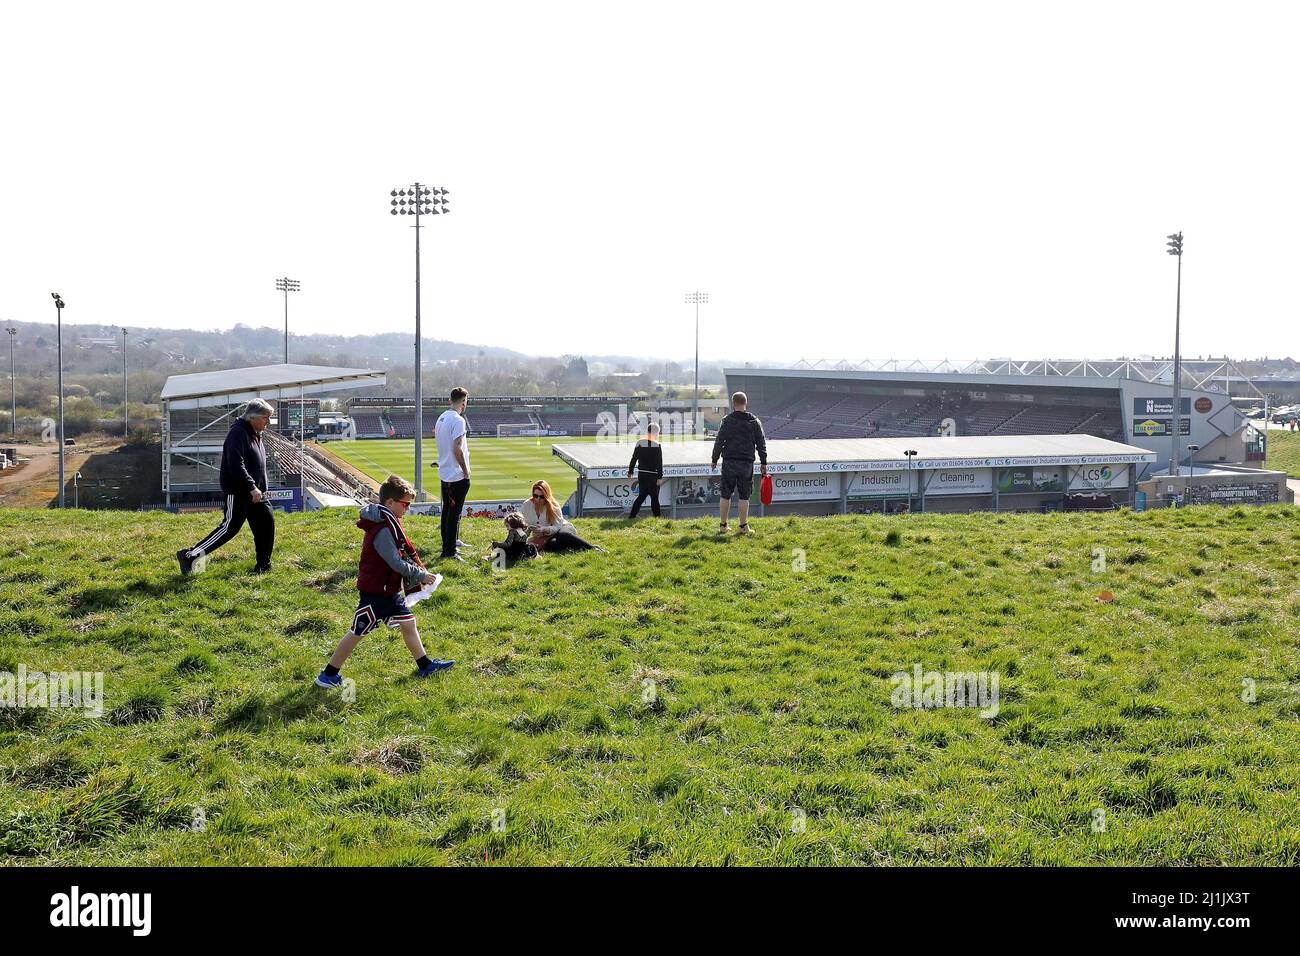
{"x": 648, "y": 460}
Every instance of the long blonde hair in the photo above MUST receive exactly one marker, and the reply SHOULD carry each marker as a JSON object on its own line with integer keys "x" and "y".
{"x": 553, "y": 509}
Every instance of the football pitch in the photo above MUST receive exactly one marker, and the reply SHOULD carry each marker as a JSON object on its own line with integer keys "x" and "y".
{"x": 499, "y": 467}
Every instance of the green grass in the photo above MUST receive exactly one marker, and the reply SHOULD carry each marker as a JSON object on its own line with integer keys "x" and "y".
{"x": 1284, "y": 452}
{"x": 499, "y": 467}
{"x": 772, "y": 694}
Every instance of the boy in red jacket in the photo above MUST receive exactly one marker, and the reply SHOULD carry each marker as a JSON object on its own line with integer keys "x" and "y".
{"x": 389, "y": 565}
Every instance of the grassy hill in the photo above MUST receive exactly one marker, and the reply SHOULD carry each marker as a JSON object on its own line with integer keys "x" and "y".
{"x": 681, "y": 699}
{"x": 1284, "y": 452}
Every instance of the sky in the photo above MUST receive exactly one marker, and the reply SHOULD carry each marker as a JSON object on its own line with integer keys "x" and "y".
{"x": 846, "y": 180}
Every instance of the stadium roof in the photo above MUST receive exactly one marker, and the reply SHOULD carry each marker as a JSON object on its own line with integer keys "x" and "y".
{"x": 974, "y": 379}
{"x": 609, "y": 459}
{"x": 236, "y": 385}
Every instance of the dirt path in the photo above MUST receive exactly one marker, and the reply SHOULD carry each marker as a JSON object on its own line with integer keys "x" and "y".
{"x": 36, "y": 483}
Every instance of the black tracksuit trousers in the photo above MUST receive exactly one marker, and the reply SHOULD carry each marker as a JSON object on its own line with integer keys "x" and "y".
{"x": 241, "y": 508}
{"x": 647, "y": 488}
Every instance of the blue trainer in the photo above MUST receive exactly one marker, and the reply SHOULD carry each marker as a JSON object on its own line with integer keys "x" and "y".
{"x": 433, "y": 667}
{"x": 328, "y": 682}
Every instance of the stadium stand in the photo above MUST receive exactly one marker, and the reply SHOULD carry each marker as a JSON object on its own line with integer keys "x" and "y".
{"x": 369, "y": 423}
{"x": 403, "y": 422}
{"x": 395, "y": 417}
{"x": 286, "y": 466}
{"x": 825, "y": 414}
{"x": 484, "y": 421}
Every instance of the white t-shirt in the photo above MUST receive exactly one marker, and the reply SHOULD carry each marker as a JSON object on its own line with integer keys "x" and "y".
{"x": 450, "y": 430}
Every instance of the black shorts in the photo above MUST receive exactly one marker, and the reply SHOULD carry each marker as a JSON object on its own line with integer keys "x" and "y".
{"x": 737, "y": 477}
{"x": 373, "y": 608}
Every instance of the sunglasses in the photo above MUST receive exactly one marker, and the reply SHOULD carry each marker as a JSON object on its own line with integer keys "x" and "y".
{"x": 538, "y": 494}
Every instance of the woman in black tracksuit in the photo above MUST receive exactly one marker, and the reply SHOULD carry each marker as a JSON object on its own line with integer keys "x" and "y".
{"x": 648, "y": 461}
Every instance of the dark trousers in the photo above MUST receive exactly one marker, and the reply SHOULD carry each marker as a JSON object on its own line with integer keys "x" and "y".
{"x": 567, "y": 541}
{"x": 453, "y": 499}
{"x": 241, "y": 508}
{"x": 646, "y": 483}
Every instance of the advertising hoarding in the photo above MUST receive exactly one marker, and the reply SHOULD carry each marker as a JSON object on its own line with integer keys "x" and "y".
{"x": 959, "y": 481}
{"x": 1146, "y": 407}
{"x": 881, "y": 484}
{"x": 811, "y": 487}
{"x": 285, "y": 499}
{"x": 1092, "y": 477}
{"x": 1013, "y": 481}
{"x": 617, "y": 493}
{"x": 1154, "y": 427}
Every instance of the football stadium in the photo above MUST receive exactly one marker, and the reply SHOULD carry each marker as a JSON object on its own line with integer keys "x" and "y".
{"x": 1020, "y": 436}
{"x": 525, "y": 552}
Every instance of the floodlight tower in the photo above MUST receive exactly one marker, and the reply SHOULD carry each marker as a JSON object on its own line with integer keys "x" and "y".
{"x": 58, "y": 305}
{"x": 1176, "y": 249}
{"x": 286, "y": 286}
{"x": 697, "y": 299}
{"x": 418, "y": 200}
{"x": 13, "y": 388}
{"x": 126, "y": 418}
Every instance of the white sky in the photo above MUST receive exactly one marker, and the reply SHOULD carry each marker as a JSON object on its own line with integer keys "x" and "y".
{"x": 862, "y": 179}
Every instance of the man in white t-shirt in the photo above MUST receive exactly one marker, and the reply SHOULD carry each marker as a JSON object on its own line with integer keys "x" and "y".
{"x": 452, "y": 434}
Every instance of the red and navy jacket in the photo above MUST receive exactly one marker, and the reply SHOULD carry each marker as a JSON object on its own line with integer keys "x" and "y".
{"x": 389, "y": 560}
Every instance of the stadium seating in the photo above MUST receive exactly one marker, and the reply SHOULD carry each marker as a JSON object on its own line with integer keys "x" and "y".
{"x": 399, "y": 422}
{"x": 369, "y": 423}
{"x": 484, "y": 421}
{"x": 814, "y": 414}
{"x": 403, "y": 422}
{"x": 285, "y": 466}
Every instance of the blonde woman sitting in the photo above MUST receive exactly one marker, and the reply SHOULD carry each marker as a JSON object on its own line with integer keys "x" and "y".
{"x": 549, "y": 529}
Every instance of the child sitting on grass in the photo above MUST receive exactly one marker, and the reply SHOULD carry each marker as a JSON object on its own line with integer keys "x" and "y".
{"x": 389, "y": 565}
{"x": 516, "y": 544}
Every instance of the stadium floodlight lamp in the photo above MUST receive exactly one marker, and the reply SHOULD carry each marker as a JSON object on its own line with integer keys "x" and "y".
{"x": 1175, "y": 244}
{"x": 418, "y": 200}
